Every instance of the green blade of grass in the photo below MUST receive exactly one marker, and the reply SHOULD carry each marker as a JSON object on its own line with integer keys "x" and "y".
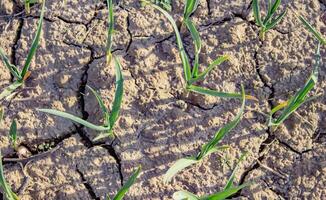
{"x": 118, "y": 94}
{"x": 190, "y": 7}
{"x": 74, "y": 119}
{"x": 256, "y": 10}
{"x": 178, "y": 166}
{"x": 110, "y": 32}
{"x": 211, "y": 66}
{"x": 183, "y": 55}
{"x": 197, "y": 42}
{"x": 8, "y": 193}
{"x": 35, "y": 43}
{"x": 220, "y": 134}
{"x": 1, "y": 114}
{"x": 12, "y": 68}
{"x": 310, "y": 28}
{"x": 205, "y": 91}
{"x": 102, "y": 106}
{"x": 229, "y": 184}
{"x": 299, "y": 98}
{"x": 13, "y": 133}
{"x": 276, "y": 21}
{"x": 184, "y": 195}
{"x": 8, "y": 90}
{"x": 271, "y": 10}
{"x": 125, "y": 188}
{"x": 225, "y": 193}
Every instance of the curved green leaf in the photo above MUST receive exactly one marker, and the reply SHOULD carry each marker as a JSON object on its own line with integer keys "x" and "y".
{"x": 256, "y": 10}
{"x": 74, "y": 119}
{"x": 12, "y": 68}
{"x": 178, "y": 166}
{"x": 310, "y": 28}
{"x": 184, "y": 195}
{"x": 276, "y": 21}
{"x": 35, "y": 43}
{"x": 190, "y": 7}
{"x": 225, "y": 193}
{"x": 8, "y": 90}
{"x": 132, "y": 179}
{"x": 8, "y": 193}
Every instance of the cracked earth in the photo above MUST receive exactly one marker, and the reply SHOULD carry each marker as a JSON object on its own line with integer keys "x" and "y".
{"x": 159, "y": 121}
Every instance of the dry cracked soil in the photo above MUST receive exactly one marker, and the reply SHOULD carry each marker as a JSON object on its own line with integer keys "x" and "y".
{"x": 159, "y": 121}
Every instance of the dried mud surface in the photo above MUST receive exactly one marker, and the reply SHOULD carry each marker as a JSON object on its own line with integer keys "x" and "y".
{"x": 159, "y": 122}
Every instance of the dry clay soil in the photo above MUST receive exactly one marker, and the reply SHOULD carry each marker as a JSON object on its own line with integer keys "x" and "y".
{"x": 160, "y": 122}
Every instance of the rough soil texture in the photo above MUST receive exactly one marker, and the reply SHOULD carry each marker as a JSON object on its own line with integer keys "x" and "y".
{"x": 159, "y": 121}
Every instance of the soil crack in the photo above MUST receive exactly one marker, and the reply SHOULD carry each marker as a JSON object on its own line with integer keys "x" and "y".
{"x": 87, "y": 185}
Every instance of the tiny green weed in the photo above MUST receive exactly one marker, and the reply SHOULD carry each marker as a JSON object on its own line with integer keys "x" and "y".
{"x": 24, "y": 74}
{"x": 125, "y": 188}
{"x": 299, "y": 98}
{"x": 7, "y": 191}
{"x": 191, "y": 74}
{"x": 270, "y": 21}
{"x": 228, "y": 190}
{"x": 208, "y": 148}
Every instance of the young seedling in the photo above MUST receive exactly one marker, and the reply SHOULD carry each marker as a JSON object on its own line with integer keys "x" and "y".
{"x": 310, "y": 28}
{"x": 191, "y": 74}
{"x": 13, "y": 134}
{"x": 6, "y": 190}
{"x": 208, "y": 148}
{"x": 109, "y": 118}
{"x": 122, "y": 192}
{"x": 22, "y": 75}
{"x": 228, "y": 190}
{"x": 270, "y": 21}
{"x": 299, "y": 98}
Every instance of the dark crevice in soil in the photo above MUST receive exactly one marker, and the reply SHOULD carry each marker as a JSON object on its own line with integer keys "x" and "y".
{"x": 289, "y": 147}
{"x": 114, "y": 154}
{"x": 209, "y": 12}
{"x": 15, "y": 45}
{"x": 87, "y": 185}
{"x": 129, "y": 32}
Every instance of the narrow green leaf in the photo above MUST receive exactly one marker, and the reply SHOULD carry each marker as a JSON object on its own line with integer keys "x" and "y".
{"x": 184, "y": 195}
{"x": 190, "y": 7}
{"x": 1, "y": 114}
{"x": 183, "y": 55}
{"x": 229, "y": 184}
{"x": 225, "y": 193}
{"x": 178, "y": 166}
{"x": 310, "y": 28}
{"x": 118, "y": 94}
{"x": 204, "y": 91}
{"x": 215, "y": 63}
{"x": 132, "y": 179}
{"x": 74, "y": 119}
{"x": 256, "y": 10}
{"x": 8, "y": 90}
{"x": 12, "y": 68}
{"x": 276, "y": 21}
{"x": 275, "y": 6}
{"x": 8, "y": 193}
{"x": 110, "y": 31}
{"x": 102, "y": 106}
{"x": 13, "y": 133}
{"x": 299, "y": 98}
{"x": 35, "y": 43}
{"x": 197, "y": 42}
{"x": 219, "y": 135}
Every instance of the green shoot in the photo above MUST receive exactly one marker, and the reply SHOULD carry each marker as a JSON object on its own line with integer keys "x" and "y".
{"x": 208, "y": 148}
{"x": 122, "y": 192}
{"x": 1, "y": 114}
{"x": 192, "y": 74}
{"x": 270, "y": 21}
{"x": 109, "y": 118}
{"x": 7, "y": 192}
{"x": 110, "y": 32}
{"x": 299, "y": 98}
{"x": 310, "y": 28}
{"x": 228, "y": 190}
{"x": 28, "y": 5}
{"x": 13, "y": 133}
{"x": 24, "y": 74}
